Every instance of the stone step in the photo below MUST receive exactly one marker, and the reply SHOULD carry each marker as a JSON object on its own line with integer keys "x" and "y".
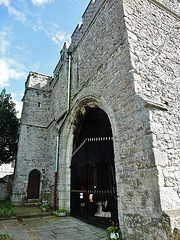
{"x": 29, "y": 204}
{"x": 29, "y": 212}
{"x": 34, "y": 200}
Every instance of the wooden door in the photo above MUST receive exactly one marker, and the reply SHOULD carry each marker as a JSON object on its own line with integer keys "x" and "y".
{"x": 33, "y": 185}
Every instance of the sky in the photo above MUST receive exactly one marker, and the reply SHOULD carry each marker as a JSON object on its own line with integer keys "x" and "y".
{"x": 32, "y": 33}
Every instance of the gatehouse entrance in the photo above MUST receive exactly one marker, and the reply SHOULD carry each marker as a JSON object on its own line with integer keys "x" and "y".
{"x": 93, "y": 183}
{"x": 33, "y": 185}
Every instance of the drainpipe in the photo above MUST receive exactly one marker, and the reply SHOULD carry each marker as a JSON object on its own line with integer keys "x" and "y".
{"x": 62, "y": 124}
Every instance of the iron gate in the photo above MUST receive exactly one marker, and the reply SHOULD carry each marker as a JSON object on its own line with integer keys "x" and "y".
{"x": 93, "y": 184}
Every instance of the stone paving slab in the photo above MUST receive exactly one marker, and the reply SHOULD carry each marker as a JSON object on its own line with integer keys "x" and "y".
{"x": 50, "y": 228}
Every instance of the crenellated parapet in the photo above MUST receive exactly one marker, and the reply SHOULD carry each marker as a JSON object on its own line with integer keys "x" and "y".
{"x": 77, "y": 34}
{"x": 63, "y": 57}
{"x": 87, "y": 18}
{"x": 90, "y": 12}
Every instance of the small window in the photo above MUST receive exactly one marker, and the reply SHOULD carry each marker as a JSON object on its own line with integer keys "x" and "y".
{"x": 39, "y": 104}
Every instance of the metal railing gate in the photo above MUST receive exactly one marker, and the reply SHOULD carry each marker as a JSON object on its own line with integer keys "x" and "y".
{"x": 93, "y": 183}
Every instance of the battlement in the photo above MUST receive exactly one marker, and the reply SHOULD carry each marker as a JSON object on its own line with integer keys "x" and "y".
{"x": 94, "y": 5}
{"x": 90, "y": 12}
{"x": 77, "y": 34}
{"x": 38, "y": 81}
{"x": 63, "y": 54}
{"x": 87, "y": 17}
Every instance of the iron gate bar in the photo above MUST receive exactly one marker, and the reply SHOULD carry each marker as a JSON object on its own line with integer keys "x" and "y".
{"x": 78, "y": 148}
{"x": 93, "y": 172}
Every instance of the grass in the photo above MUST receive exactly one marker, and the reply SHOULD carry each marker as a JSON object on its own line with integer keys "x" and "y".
{"x": 5, "y": 237}
{"x": 6, "y": 210}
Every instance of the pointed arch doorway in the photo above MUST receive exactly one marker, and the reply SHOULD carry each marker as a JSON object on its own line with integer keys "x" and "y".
{"x": 33, "y": 185}
{"x": 93, "y": 182}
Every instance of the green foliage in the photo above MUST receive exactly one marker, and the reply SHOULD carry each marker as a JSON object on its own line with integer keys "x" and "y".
{"x": 114, "y": 229}
{"x": 38, "y": 203}
{"x": 62, "y": 210}
{"x": 9, "y": 126}
{"x": 6, "y": 209}
{"x": 45, "y": 206}
{"x": 5, "y": 203}
{"x": 5, "y": 237}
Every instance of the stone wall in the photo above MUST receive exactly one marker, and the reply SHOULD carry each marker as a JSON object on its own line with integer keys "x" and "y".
{"x": 33, "y": 146}
{"x": 37, "y": 101}
{"x": 6, "y": 187}
{"x": 102, "y": 66}
{"x": 60, "y": 84}
{"x": 155, "y": 59}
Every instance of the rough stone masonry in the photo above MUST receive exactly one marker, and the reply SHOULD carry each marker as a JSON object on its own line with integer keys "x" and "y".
{"x": 124, "y": 60}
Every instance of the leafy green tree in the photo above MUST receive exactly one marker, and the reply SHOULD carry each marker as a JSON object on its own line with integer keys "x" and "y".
{"x": 9, "y": 127}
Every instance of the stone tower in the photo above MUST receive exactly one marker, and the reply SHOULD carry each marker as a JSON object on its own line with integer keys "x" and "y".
{"x": 116, "y": 84}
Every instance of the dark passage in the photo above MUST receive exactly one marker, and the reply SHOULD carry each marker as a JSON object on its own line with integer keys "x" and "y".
{"x": 93, "y": 185}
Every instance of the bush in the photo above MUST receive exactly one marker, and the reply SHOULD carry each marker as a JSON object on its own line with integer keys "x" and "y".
{"x": 6, "y": 209}
{"x": 62, "y": 210}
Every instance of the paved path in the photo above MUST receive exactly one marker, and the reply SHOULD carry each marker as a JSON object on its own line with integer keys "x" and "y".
{"x": 50, "y": 228}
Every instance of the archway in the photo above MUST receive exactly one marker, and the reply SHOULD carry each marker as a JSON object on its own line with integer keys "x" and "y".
{"x": 93, "y": 182}
{"x": 33, "y": 185}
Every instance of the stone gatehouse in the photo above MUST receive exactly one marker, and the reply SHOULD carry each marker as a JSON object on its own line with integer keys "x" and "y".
{"x": 101, "y": 136}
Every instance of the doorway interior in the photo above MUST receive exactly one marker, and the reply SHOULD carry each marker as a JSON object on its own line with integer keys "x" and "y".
{"x": 93, "y": 182}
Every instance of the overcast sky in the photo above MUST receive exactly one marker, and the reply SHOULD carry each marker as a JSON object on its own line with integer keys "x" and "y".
{"x": 32, "y": 33}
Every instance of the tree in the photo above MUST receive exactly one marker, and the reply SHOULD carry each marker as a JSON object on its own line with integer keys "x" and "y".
{"x": 9, "y": 128}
